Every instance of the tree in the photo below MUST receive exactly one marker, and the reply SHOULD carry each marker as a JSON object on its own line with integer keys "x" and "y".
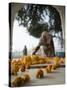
{"x": 33, "y": 17}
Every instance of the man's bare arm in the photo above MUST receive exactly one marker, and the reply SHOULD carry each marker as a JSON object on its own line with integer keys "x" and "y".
{"x": 37, "y": 48}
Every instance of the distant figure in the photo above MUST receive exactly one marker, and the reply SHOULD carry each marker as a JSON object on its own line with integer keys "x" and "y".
{"x": 46, "y": 41}
{"x": 25, "y": 50}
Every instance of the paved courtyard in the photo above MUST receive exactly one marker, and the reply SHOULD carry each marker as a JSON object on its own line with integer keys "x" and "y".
{"x": 56, "y": 77}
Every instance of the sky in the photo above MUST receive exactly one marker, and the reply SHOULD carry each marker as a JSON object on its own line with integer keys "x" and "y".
{"x": 21, "y": 38}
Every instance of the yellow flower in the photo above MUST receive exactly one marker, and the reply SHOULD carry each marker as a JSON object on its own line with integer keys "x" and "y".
{"x": 39, "y": 74}
{"x": 19, "y": 81}
{"x": 26, "y": 77}
{"x": 48, "y": 68}
{"x": 62, "y": 60}
{"x": 56, "y": 60}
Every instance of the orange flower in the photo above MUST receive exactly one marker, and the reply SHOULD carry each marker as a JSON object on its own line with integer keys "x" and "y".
{"x": 39, "y": 74}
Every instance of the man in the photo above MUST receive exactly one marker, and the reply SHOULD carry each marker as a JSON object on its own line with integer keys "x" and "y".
{"x": 46, "y": 41}
{"x": 25, "y": 50}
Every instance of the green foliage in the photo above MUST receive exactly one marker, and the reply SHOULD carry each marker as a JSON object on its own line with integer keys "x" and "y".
{"x": 37, "y": 29}
{"x": 54, "y": 15}
{"x": 33, "y": 16}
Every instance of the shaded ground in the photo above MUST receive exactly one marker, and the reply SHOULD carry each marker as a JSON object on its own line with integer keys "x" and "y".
{"x": 56, "y": 77}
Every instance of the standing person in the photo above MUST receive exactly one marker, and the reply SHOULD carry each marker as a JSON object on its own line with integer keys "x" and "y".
{"x": 46, "y": 41}
{"x": 25, "y": 50}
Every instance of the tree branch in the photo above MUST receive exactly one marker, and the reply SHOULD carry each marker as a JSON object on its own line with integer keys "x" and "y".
{"x": 57, "y": 37}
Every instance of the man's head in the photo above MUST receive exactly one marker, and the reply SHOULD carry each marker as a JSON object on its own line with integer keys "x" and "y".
{"x": 45, "y": 35}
